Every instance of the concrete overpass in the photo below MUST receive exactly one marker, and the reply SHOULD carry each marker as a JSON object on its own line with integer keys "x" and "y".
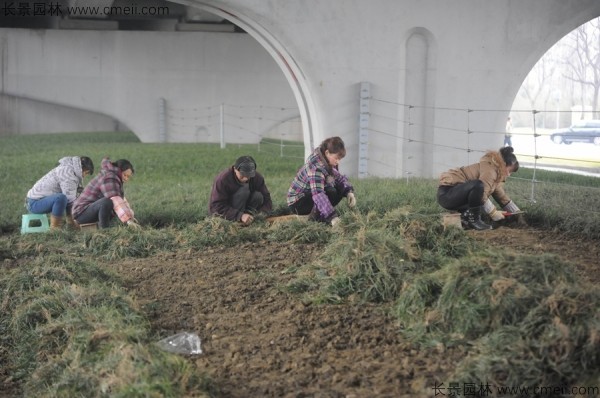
{"x": 440, "y": 71}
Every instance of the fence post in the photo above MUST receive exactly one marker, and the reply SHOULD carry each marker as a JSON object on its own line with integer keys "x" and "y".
{"x": 535, "y": 157}
{"x": 406, "y": 142}
{"x": 162, "y": 120}
{"x": 469, "y": 132}
{"x": 363, "y": 131}
{"x": 222, "y": 125}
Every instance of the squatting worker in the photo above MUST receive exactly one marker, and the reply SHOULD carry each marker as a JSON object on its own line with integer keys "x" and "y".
{"x": 56, "y": 191}
{"x": 239, "y": 192}
{"x": 103, "y": 197}
{"x": 467, "y": 189}
{"x": 319, "y": 186}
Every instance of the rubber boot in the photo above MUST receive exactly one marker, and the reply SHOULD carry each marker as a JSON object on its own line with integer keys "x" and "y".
{"x": 474, "y": 219}
{"x": 56, "y": 222}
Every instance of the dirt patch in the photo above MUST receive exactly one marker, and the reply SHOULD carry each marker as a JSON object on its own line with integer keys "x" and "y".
{"x": 260, "y": 341}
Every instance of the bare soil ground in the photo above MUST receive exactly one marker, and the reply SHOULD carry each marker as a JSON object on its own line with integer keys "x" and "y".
{"x": 260, "y": 341}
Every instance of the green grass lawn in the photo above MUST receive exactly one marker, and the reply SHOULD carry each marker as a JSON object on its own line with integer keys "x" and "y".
{"x": 171, "y": 184}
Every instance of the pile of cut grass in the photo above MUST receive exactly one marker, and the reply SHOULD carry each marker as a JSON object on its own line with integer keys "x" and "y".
{"x": 526, "y": 320}
{"x": 555, "y": 343}
{"x": 370, "y": 257}
{"x": 74, "y": 333}
{"x": 478, "y": 293}
{"x": 444, "y": 288}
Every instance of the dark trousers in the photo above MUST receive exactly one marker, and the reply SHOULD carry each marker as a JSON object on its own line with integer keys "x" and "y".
{"x": 461, "y": 197}
{"x": 305, "y": 205}
{"x": 101, "y": 211}
{"x": 246, "y": 201}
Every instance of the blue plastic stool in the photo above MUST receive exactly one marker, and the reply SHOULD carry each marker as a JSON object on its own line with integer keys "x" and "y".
{"x": 26, "y": 226}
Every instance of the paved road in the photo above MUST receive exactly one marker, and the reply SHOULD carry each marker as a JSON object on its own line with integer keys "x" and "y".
{"x": 581, "y": 156}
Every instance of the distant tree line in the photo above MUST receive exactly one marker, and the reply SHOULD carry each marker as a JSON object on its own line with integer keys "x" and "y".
{"x": 565, "y": 83}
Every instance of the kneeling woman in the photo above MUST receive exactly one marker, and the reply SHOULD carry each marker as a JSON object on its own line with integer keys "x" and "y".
{"x": 319, "y": 186}
{"x": 103, "y": 196}
{"x": 468, "y": 188}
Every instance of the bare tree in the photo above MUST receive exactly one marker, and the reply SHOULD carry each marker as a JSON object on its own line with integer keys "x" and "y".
{"x": 537, "y": 84}
{"x": 583, "y": 61}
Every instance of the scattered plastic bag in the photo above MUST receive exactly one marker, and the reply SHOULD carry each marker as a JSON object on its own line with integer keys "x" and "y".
{"x": 184, "y": 343}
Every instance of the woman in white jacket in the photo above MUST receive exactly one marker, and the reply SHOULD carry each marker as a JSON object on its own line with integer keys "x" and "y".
{"x": 55, "y": 192}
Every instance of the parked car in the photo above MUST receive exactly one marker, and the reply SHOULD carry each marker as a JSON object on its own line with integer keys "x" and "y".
{"x": 582, "y": 131}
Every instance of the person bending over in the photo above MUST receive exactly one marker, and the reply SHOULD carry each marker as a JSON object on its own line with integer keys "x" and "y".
{"x": 468, "y": 189}
{"x": 239, "y": 192}
{"x": 104, "y": 197}
{"x": 319, "y": 186}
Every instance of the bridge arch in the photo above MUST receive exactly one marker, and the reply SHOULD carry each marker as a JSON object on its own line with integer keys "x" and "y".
{"x": 286, "y": 62}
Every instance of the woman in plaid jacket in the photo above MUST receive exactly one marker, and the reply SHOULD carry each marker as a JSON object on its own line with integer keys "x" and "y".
{"x": 319, "y": 186}
{"x": 103, "y": 196}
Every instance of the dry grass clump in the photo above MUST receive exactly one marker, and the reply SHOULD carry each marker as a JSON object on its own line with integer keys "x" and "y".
{"x": 121, "y": 242}
{"x": 530, "y": 321}
{"x": 557, "y": 343}
{"x": 472, "y": 296}
{"x": 299, "y": 231}
{"x": 75, "y": 334}
{"x": 371, "y": 256}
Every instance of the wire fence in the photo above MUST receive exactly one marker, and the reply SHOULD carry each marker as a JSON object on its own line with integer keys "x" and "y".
{"x": 453, "y": 137}
{"x": 539, "y": 148}
{"x": 404, "y": 141}
{"x": 233, "y": 124}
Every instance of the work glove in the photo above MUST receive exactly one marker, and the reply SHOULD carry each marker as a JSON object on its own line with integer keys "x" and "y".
{"x": 511, "y": 207}
{"x": 335, "y": 221}
{"x": 246, "y": 219}
{"x": 491, "y": 210}
{"x": 351, "y": 199}
{"x": 133, "y": 224}
{"x": 496, "y": 215}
